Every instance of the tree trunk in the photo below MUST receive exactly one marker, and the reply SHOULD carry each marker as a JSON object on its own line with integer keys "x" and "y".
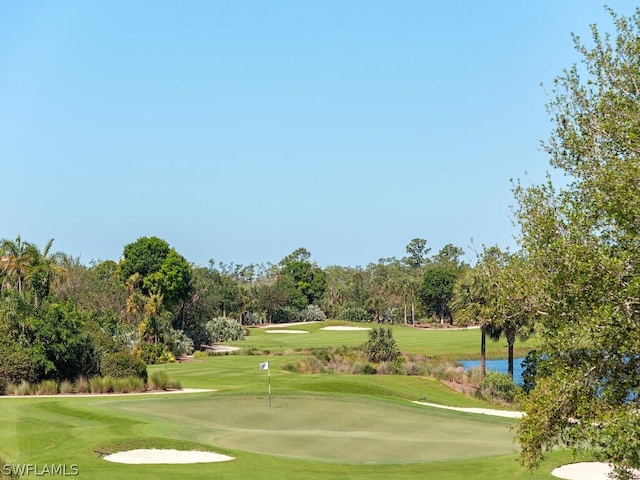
{"x": 511, "y": 340}
{"x": 413, "y": 313}
{"x": 483, "y": 352}
{"x": 405, "y": 313}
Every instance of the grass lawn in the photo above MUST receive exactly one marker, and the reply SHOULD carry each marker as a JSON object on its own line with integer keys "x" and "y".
{"x": 319, "y": 426}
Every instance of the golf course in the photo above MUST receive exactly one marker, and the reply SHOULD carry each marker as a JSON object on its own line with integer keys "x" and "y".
{"x": 313, "y": 426}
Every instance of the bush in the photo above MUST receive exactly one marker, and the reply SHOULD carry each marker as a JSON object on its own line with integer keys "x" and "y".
{"x": 355, "y": 314}
{"x": 159, "y": 380}
{"x": 498, "y": 386}
{"x": 96, "y": 385}
{"x": 123, "y": 365}
{"x": 312, "y": 313}
{"x": 363, "y": 368}
{"x": 181, "y": 344}
{"x": 285, "y": 315}
{"x": 224, "y": 330}
{"x": 381, "y": 346}
{"x": 152, "y": 353}
{"x": 128, "y": 385}
{"x": 108, "y": 383}
{"x": 15, "y": 366}
{"x": 252, "y": 318}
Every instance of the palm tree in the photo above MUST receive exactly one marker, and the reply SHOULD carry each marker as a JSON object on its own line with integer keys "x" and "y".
{"x": 471, "y": 302}
{"x": 44, "y": 270}
{"x": 15, "y": 259}
{"x": 154, "y": 324}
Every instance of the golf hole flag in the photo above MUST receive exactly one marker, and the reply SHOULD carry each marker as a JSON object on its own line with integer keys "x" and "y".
{"x": 264, "y": 366}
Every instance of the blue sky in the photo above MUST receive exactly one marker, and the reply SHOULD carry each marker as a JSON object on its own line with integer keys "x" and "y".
{"x": 240, "y": 131}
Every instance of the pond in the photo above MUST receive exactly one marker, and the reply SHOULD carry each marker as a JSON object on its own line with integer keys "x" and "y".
{"x": 498, "y": 366}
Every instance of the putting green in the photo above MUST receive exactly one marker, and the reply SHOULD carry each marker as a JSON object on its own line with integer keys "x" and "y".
{"x": 324, "y": 428}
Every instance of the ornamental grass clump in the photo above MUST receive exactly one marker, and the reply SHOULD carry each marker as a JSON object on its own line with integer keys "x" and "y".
{"x": 159, "y": 380}
{"x": 65, "y": 387}
{"x": 47, "y": 387}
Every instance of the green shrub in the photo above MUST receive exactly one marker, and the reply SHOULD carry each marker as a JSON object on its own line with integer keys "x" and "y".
{"x": 312, "y": 313}
{"x": 181, "y": 344}
{"x": 122, "y": 365}
{"x": 159, "y": 380}
{"x": 498, "y": 386}
{"x": 108, "y": 383}
{"x": 128, "y": 385}
{"x": 96, "y": 385}
{"x": 224, "y": 330}
{"x": 174, "y": 384}
{"x": 153, "y": 353}
{"x": 414, "y": 369}
{"x": 285, "y": 315}
{"x": 252, "y": 318}
{"x": 136, "y": 384}
{"x": 363, "y": 368}
{"x": 355, "y": 314}
{"x": 15, "y": 366}
{"x": 381, "y": 346}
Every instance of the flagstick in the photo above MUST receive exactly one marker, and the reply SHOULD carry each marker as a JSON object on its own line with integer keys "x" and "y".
{"x": 269, "y": 370}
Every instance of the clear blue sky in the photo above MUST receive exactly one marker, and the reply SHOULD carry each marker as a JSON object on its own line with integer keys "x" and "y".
{"x": 240, "y": 131}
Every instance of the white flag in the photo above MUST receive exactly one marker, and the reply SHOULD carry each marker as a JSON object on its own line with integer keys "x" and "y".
{"x": 264, "y": 366}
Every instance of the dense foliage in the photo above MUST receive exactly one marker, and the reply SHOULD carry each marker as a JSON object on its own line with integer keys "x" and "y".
{"x": 581, "y": 253}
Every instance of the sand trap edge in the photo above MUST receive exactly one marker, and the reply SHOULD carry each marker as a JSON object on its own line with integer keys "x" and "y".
{"x": 155, "y": 456}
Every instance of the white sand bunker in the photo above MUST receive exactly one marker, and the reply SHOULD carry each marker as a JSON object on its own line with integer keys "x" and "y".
{"x": 345, "y": 328}
{"x": 585, "y": 471}
{"x": 286, "y": 331}
{"x": 221, "y": 348}
{"x": 157, "y": 456}
{"x": 481, "y": 411}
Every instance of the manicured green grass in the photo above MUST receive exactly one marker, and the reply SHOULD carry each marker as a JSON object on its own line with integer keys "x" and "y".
{"x": 319, "y": 426}
{"x": 455, "y": 344}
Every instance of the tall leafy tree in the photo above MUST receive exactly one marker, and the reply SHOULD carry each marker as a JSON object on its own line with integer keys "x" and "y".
{"x": 437, "y": 290}
{"x": 583, "y": 244}
{"x": 308, "y": 279}
{"x": 153, "y": 267}
{"x": 145, "y": 256}
{"x": 416, "y": 262}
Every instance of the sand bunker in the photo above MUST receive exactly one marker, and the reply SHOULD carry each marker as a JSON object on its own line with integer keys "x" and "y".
{"x": 156, "y": 456}
{"x": 482, "y": 411}
{"x": 345, "y": 328}
{"x": 585, "y": 471}
{"x": 286, "y": 331}
{"x": 221, "y": 348}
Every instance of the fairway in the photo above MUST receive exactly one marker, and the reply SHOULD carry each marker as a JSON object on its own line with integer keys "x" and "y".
{"x": 327, "y": 429}
{"x": 319, "y": 426}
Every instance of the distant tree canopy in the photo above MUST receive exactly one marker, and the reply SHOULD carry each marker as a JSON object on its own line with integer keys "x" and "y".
{"x": 160, "y": 268}
{"x": 304, "y": 280}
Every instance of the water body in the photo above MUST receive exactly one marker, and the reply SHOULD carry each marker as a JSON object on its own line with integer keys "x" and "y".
{"x": 498, "y": 366}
